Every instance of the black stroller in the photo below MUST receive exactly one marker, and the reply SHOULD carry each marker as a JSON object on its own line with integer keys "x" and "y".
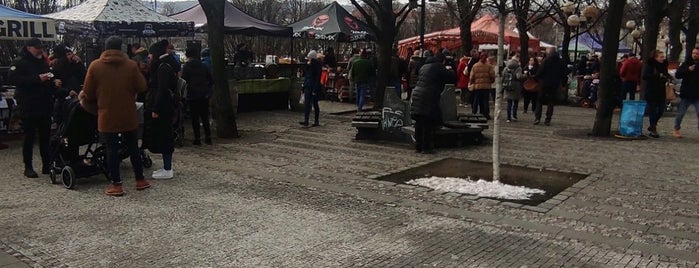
{"x": 78, "y": 129}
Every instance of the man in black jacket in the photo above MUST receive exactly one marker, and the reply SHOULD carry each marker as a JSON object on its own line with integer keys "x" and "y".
{"x": 551, "y": 75}
{"x": 31, "y": 75}
{"x": 689, "y": 92}
{"x": 199, "y": 90}
{"x": 424, "y": 108}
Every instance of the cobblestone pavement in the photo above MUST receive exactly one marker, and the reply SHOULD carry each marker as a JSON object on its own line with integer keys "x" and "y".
{"x": 285, "y": 196}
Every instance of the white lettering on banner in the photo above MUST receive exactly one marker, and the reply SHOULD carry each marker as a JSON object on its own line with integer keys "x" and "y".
{"x": 328, "y": 37}
{"x": 22, "y": 29}
{"x": 358, "y": 35}
{"x": 306, "y": 28}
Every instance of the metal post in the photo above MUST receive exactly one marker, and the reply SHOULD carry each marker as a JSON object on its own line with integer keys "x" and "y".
{"x": 422, "y": 27}
{"x": 577, "y": 33}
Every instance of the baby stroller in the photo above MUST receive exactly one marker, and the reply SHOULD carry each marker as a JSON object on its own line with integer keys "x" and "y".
{"x": 79, "y": 128}
{"x": 590, "y": 88}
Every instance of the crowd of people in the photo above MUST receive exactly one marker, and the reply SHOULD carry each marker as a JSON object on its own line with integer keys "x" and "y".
{"x": 110, "y": 87}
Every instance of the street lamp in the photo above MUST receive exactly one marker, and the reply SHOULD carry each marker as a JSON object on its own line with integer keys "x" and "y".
{"x": 636, "y": 35}
{"x": 573, "y": 20}
{"x": 422, "y": 5}
{"x": 667, "y": 44}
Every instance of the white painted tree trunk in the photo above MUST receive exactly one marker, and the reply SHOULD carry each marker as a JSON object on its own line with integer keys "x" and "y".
{"x": 498, "y": 94}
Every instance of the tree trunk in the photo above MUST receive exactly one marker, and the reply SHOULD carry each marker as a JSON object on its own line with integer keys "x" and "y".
{"x": 608, "y": 72}
{"x": 566, "y": 43}
{"x": 675, "y": 15}
{"x": 523, "y": 39}
{"x": 498, "y": 93}
{"x": 692, "y": 29}
{"x": 387, "y": 24}
{"x": 466, "y": 36}
{"x": 655, "y": 11}
{"x": 226, "y": 126}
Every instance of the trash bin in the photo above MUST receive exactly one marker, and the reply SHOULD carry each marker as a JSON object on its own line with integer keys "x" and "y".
{"x": 631, "y": 119}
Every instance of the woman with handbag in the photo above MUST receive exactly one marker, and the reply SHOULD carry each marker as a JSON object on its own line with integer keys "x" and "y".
{"x": 655, "y": 74}
{"x": 529, "y": 96}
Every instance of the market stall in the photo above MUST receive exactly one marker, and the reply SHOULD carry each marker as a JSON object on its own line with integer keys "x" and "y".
{"x": 235, "y": 21}
{"x": 333, "y": 23}
{"x": 483, "y": 31}
{"x": 126, "y": 18}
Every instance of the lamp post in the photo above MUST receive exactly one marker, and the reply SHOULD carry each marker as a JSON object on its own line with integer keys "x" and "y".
{"x": 573, "y": 20}
{"x": 636, "y": 35}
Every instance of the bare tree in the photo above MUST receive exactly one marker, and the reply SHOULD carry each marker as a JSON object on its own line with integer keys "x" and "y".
{"x": 692, "y": 27}
{"x": 385, "y": 23}
{"x": 226, "y": 126}
{"x": 675, "y": 13}
{"x": 466, "y": 11}
{"x": 608, "y": 72}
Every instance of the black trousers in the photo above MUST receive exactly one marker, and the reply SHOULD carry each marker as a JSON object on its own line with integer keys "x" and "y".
{"x": 424, "y": 133}
{"x": 310, "y": 101}
{"x": 548, "y": 101}
{"x": 529, "y": 97}
{"x": 200, "y": 115}
{"x": 31, "y": 126}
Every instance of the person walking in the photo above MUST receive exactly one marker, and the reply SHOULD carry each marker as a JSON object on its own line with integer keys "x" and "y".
{"x": 362, "y": 70}
{"x": 36, "y": 87}
{"x": 113, "y": 81}
{"x": 311, "y": 88}
{"x": 160, "y": 107}
{"x": 482, "y": 78}
{"x": 199, "y": 91}
{"x": 424, "y": 104}
{"x": 656, "y": 76}
{"x": 550, "y": 75}
{"x": 529, "y": 96}
{"x": 689, "y": 91}
{"x": 512, "y": 76}
{"x": 630, "y": 73}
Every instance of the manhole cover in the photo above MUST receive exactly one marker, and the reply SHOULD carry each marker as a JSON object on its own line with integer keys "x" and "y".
{"x": 551, "y": 182}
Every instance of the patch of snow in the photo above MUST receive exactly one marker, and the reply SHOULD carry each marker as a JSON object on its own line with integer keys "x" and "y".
{"x": 481, "y": 188}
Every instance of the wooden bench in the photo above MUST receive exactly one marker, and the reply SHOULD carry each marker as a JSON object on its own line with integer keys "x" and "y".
{"x": 367, "y": 124}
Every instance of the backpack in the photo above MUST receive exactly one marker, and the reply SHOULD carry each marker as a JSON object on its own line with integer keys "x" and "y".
{"x": 507, "y": 78}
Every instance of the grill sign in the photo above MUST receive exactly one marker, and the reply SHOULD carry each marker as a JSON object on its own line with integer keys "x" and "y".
{"x": 13, "y": 29}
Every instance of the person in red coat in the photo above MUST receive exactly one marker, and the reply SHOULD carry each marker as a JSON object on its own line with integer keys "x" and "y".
{"x": 630, "y": 73}
{"x": 462, "y": 79}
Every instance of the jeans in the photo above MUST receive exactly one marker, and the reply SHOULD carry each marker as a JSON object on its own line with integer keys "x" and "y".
{"x": 529, "y": 97}
{"x": 424, "y": 133}
{"x": 310, "y": 99}
{"x": 114, "y": 142}
{"x": 31, "y": 126}
{"x": 628, "y": 88}
{"x": 361, "y": 95}
{"x": 200, "y": 115}
{"x": 397, "y": 85}
{"x": 481, "y": 100}
{"x": 684, "y": 105}
{"x": 655, "y": 111}
{"x": 167, "y": 161}
{"x": 512, "y": 109}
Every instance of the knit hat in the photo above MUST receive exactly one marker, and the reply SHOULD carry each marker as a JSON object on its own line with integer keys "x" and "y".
{"x": 113, "y": 42}
{"x": 34, "y": 42}
{"x": 159, "y": 48}
{"x": 312, "y": 55}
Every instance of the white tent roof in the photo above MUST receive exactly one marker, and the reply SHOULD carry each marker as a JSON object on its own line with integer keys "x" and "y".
{"x": 111, "y": 11}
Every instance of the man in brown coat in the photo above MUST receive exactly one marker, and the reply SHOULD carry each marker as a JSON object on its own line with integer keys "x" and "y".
{"x": 113, "y": 81}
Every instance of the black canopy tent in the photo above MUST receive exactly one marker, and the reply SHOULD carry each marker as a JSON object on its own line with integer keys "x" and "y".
{"x": 235, "y": 22}
{"x": 127, "y": 18}
{"x": 333, "y": 23}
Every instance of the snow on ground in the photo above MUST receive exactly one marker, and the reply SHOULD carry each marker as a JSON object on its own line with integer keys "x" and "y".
{"x": 481, "y": 188}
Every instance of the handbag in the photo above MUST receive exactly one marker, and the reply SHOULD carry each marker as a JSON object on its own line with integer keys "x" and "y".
{"x": 670, "y": 92}
{"x": 531, "y": 85}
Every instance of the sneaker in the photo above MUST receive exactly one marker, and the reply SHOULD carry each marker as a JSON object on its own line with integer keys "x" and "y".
{"x": 160, "y": 170}
{"x": 514, "y": 119}
{"x": 536, "y": 122}
{"x": 509, "y": 121}
{"x": 30, "y": 173}
{"x": 196, "y": 142}
{"x": 305, "y": 124}
{"x": 142, "y": 184}
{"x": 114, "y": 190}
{"x": 653, "y": 134}
{"x": 676, "y": 133}
{"x": 163, "y": 175}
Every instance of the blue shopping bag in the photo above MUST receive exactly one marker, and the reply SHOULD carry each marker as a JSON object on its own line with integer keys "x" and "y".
{"x": 631, "y": 120}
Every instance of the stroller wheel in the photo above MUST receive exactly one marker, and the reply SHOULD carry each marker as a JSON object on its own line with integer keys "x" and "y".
{"x": 53, "y": 175}
{"x": 68, "y": 176}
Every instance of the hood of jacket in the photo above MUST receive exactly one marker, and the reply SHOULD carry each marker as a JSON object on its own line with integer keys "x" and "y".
{"x": 113, "y": 56}
{"x": 512, "y": 64}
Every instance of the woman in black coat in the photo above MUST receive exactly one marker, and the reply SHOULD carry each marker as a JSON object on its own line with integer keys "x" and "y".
{"x": 160, "y": 107}
{"x": 311, "y": 88}
{"x": 655, "y": 74}
{"x": 530, "y": 97}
